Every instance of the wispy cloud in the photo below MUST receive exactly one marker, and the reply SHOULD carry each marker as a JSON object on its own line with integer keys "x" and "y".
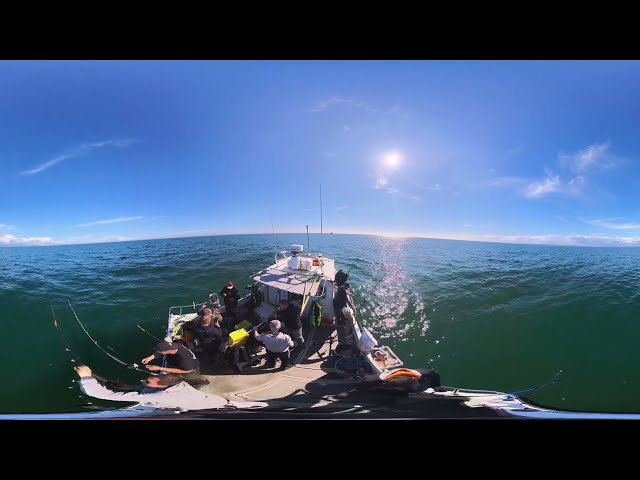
{"x": 612, "y": 224}
{"x": 12, "y": 240}
{"x": 333, "y": 101}
{"x": 507, "y": 181}
{"x": 110, "y": 221}
{"x": 595, "y": 156}
{"x": 5, "y": 226}
{"x": 346, "y": 129}
{"x": 82, "y": 150}
{"x": 381, "y": 182}
{"x": 589, "y": 240}
{"x": 394, "y": 192}
{"x": 579, "y": 167}
{"x": 340, "y": 208}
{"x": 551, "y": 183}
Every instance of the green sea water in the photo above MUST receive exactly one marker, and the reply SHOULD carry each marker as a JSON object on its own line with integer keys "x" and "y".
{"x": 491, "y": 316}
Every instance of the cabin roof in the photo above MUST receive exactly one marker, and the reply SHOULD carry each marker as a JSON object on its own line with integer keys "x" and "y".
{"x": 299, "y": 282}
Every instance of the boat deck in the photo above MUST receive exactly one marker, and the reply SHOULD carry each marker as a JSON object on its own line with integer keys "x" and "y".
{"x": 312, "y": 385}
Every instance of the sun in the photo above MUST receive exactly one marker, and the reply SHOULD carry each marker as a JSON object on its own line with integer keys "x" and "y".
{"x": 392, "y": 160}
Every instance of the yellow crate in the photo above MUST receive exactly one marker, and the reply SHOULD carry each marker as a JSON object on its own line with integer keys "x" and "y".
{"x": 238, "y": 337}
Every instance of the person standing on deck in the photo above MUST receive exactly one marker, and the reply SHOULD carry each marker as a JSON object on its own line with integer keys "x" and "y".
{"x": 231, "y": 296}
{"x": 276, "y": 343}
{"x": 340, "y": 301}
{"x": 255, "y": 299}
{"x": 341, "y": 277}
{"x": 289, "y": 316}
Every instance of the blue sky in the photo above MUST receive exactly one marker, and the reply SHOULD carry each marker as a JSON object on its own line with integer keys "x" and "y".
{"x": 532, "y": 152}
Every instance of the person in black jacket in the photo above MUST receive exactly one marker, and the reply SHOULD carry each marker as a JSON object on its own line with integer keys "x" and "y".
{"x": 231, "y": 296}
{"x": 341, "y": 277}
{"x": 255, "y": 300}
{"x": 340, "y": 301}
{"x": 289, "y": 316}
{"x": 208, "y": 331}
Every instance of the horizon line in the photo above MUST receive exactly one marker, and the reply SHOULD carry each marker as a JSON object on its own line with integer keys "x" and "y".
{"x": 388, "y": 235}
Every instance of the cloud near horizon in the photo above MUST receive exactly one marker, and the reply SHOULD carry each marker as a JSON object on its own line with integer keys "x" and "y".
{"x": 82, "y": 150}
{"x": 110, "y": 221}
{"x": 579, "y": 166}
{"x": 588, "y": 240}
{"x": 611, "y": 224}
{"x": 12, "y": 240}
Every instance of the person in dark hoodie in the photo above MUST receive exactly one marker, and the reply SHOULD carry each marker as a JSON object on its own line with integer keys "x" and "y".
{"x": 341, "y": 277}
{"x": 289, "y": 316}
{"x": 231, "y": 296}
{"x": 206, "y": 328}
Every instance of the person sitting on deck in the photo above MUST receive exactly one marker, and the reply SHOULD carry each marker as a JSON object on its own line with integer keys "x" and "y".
{"x": 231, "y": 296}
{"x": 180, "y": 360}
{"x": 208, "y": 331}
{"x": 289, "y": 316}
{"x": 276, "y": 343}
{"x": 160, "y": 391}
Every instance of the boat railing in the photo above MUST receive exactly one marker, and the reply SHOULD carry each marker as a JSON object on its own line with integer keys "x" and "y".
{"x": 177, "y": 309}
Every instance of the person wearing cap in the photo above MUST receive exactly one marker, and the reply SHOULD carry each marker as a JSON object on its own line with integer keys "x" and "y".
{"x": 179, "y": 358}
{"x": 160, "y": 391}
{"x": 276, "y": 343}
{"x": 231, "y": 296}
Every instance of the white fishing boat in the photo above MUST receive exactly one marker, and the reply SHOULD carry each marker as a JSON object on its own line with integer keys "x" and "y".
{"x": 340, "y": 371}
{"x": 337, "y": 351}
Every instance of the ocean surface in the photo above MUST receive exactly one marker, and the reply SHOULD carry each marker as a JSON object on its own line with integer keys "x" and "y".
{"x": 484, "y": 315}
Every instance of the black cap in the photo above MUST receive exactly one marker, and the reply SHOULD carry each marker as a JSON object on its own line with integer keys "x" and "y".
{"x": 163, "y": 346}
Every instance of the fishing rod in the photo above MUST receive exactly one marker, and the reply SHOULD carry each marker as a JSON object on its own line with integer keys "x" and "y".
{"x": 133, "y": 366}
{"x": 371, "y": 290}
{"x": 152, "y": 336}
{"x": 533, "y": 389}
{"x": 75, "y": 358}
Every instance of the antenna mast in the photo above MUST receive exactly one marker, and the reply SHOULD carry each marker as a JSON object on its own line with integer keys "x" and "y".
{"x": 275, "y": 248}
{"x": 320, "y": 215}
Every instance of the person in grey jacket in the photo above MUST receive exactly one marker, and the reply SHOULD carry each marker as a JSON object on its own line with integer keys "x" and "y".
{"x": 161, "y": 391}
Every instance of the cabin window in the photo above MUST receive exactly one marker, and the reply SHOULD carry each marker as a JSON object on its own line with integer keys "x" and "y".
{"x": 272, "y": 296}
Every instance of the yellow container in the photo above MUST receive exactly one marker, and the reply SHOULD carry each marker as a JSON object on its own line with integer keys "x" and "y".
{"x": 238, "y": 337}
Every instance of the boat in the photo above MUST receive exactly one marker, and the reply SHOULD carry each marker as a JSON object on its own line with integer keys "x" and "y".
{"x": 340, "y": 371}
{"x": 335, "y": 341}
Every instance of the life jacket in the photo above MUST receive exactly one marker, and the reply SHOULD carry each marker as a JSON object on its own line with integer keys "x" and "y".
{"x": 316, "y": 313}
